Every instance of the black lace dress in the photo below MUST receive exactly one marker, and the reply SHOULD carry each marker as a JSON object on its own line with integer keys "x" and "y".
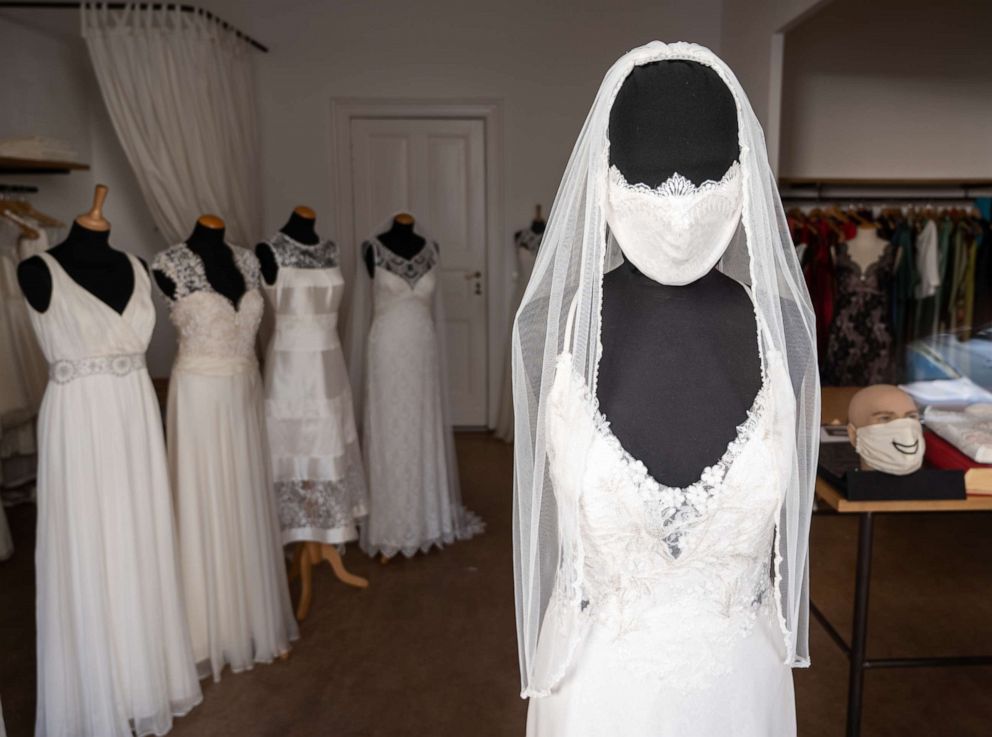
{"x": 860, "y": 345}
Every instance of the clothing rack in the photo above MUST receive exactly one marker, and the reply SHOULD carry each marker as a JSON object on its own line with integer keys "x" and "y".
{"x": 142, "y": 6}
{"x": 797, "y": 189}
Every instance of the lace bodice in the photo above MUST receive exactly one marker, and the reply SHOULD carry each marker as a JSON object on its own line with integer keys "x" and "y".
{"x": 528, "y": 239}
{"x": 186, "y": 270}
{"x": 669, "y": 570}
{"x": 401, "y": 281}
{"x": 291, "y": 254}
{"x": 209, "y": 325}
{"x": 409, "y": 269}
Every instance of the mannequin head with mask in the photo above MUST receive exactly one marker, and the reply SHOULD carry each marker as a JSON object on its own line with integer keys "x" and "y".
{"x": 884, "y": 427}
{"x": 674, "y": 193}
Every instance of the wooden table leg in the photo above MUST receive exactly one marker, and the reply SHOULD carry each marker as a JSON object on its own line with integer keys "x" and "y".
{"x": 859, "y": 636}
{"x": 331, "y": 555}
{"x": 306, "y": 581}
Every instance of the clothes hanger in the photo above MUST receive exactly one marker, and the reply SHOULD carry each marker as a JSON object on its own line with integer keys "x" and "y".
{"x": 26, "y": 230}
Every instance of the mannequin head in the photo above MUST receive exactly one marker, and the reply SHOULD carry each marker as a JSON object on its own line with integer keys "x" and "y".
{"x": 673, "y": 116}
{"x": 884, "y": 427}
{"x": 673, "y": 126}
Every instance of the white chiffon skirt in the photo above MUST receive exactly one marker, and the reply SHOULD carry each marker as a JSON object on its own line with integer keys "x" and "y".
{"x": 233, "y": 570}
{"x": 113, "y": 646}
{"x": 602, "y": 695}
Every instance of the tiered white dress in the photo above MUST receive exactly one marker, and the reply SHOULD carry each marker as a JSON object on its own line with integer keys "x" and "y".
{"x": 234, "y": 575}
{"x": 316, "y": 458}
{"x": 113, "y": 645}
{"x": 678, "y": 633}
{"x": 527, "y": 242}
{"x": 415, "y": 502}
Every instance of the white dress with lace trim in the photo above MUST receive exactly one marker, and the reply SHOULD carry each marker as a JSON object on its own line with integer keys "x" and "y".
{"x": 672, "y": 587}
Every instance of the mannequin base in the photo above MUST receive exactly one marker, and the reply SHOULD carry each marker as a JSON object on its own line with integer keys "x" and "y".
{"x": 310, "y": 554}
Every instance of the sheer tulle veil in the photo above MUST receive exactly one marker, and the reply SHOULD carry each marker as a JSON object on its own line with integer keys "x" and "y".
{"x": 576, "y": 251}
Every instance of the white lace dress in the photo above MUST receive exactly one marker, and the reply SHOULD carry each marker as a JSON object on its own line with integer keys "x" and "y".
{"x": 409, "y": 450}
{"x": 113, "y": 645}
{"x": 234, "y": 575}
{"x": 679, "y": 635}
{"x": 316, "y": 457}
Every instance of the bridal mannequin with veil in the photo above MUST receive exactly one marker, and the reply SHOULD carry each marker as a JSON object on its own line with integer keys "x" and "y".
{"x": 660, "y": 537}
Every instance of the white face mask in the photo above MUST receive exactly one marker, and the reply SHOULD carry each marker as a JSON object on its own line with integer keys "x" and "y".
{"x": 677, "y": 232}
{"x": 894, "y": 447}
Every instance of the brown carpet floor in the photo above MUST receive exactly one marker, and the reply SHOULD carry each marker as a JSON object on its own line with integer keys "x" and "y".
{"x": 429, "y": 648}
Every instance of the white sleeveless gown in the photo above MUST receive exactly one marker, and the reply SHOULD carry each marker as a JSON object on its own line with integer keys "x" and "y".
{"x": 407, "y": 445}
{"x": 233, "y": 572}
{"x": 316, "y": 458}
{"x": 113, "y": 646}
{"x": 680, "y": 635}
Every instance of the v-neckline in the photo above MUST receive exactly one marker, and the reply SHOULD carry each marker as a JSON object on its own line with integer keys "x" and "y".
{"x": 410, "y": 285}
{"x": 130, "y": 300}
{"x": 605, "y": 430}
{"x": 202, "y": 268}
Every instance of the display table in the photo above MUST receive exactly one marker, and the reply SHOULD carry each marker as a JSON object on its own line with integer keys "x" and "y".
{"x": 835, "y": 503}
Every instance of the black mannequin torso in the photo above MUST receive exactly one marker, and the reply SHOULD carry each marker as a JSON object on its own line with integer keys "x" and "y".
{"x": 680, "y": 364}
{"x": 221, "y": 270}
{"x": 400, "y": 239}
{"x": 300, "y": 229}
{"x": 88, "y": 259}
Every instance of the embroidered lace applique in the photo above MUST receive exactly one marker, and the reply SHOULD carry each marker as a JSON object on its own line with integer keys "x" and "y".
{"x": 186, "y": 270}
{"x": 528, "y": 239}
{"x": 65, "y": 370}
{"x": 676, "y": 185}
{"x": 408, "y": 269}
{"x": 291, "y": 254}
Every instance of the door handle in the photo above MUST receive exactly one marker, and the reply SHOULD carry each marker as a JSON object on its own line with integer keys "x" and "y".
{"x": 474, "y": 275}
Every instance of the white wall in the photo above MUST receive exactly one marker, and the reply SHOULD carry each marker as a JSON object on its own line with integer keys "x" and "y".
{"x": 543, "y": 60}
{"x": 889, "y": 89}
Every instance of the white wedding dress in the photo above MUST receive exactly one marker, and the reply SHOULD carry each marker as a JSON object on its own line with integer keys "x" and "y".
{"x": 414, "y": 500}
{"x": 234, "y": 575}
{"x": 680, "y": 635}
{"x": 316, "y": 459}
{"x": 113, "y": 646}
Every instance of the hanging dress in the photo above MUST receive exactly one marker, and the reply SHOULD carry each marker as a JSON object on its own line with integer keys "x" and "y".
{"x": 316, "y": 458}
{"x": 527, "y": 242}
{"x": 113, "y": 644}
{"x": 859, "y": 346}
{"x": 234, "y": 574}
{"x": 414, "y": 497}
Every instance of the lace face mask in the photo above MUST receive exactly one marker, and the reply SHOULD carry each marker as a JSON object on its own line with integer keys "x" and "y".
{"x": 677, "y": 232}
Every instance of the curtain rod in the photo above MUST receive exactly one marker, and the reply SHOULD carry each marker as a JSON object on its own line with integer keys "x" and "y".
{"x": 142, "y": 6}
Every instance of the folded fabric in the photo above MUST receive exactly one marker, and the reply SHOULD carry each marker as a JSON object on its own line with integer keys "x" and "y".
{"x": 969, "y": 430}
{"x": 947, "y": 392}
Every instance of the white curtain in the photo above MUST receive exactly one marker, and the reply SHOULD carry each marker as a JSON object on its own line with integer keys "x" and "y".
{"x": 180, "y": 92}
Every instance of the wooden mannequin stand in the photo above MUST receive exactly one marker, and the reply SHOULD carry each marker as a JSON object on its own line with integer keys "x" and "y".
{"x": 307, "y": 556}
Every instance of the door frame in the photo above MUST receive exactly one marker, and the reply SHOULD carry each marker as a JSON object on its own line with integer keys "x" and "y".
{"x": 498, "y": 251}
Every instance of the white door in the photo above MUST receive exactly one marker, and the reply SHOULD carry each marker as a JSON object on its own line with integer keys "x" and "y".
{"x": 435, "y": 170}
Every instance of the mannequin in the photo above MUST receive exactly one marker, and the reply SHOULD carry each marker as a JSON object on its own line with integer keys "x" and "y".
{"x": 207, "y": 242}
{"x": 866, "y": 247}
{"x": 87, "y": 258}
{"x": 400, "y": 239}
{"x": 680, "y": 365}
{"x": 299, "y": 227}
{"x": 884, "y": 404}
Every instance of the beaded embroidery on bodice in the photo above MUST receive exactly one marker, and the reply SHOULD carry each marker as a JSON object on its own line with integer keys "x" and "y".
{"x": 209, "y": 325}
{"x": 291, "y": 254}
{"x": 670, "y": 570}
